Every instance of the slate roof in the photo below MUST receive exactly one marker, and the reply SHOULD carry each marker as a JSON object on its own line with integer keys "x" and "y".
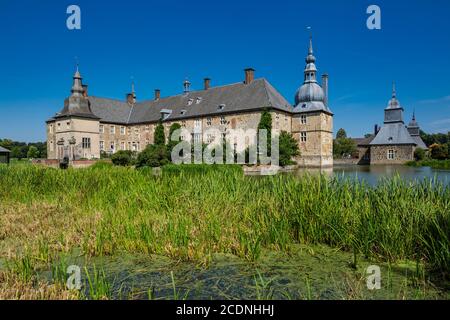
{"x": 391, "y": 134}
{"x": 419, "y": 142}
{"x": 231, "y": 98}
{"x": 363, "y": 141}
{"x": 3, "y": 150}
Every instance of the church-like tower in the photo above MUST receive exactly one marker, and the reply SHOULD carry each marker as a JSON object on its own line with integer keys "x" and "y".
{"x": 73, "y": 133}
{"x": 312, "y": 121}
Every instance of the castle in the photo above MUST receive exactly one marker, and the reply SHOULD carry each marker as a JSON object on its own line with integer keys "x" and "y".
{"x": 393, "y": 143}
{"x": 89, "y": 125}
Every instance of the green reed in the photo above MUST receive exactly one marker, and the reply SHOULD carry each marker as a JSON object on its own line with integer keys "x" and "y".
{"x": 192, "y": 212}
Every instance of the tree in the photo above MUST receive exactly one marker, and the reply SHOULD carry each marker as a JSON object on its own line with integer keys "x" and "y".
{"x": 19, "y": 152}
{"x": 341, "y": 134}
{"x": 154, "y": 155}
{"x": 122, "y": 158}
{"x": 33, "y": 153}
{"x": 343, "y": 147}
{"x": 288, "y": 148}
{"x": 160, "y": 137}
{"x": 438, "y": 151}
{"x": 419, "y": 154}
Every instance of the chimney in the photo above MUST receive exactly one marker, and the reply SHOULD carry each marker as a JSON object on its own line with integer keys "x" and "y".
{"x": 249, "y": 75}
{"x": 157, "y": 94}
{"x": 376, "y": 129}
{"x": 325, "y": 88}
{"x": 85, "y": 90}
{"x": 207, "y": 83}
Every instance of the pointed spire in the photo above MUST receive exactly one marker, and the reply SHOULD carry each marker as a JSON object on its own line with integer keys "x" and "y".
{"x": 394, "y": 92}
{"x": 77, "y": 87}
{"x": 414, "y": 115}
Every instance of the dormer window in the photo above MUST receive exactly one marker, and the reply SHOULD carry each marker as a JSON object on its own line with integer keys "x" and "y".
{"x": 183, "y": 112}
{"x": 190, "y": 101}
{"x": 390, "y": 139}
{"x": 165, "y": 113}
{"x": 199, "y": 99}
{"x": 222, "y": 106}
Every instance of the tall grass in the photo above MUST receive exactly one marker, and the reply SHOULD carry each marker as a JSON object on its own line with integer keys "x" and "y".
{"x": 193, "y": 213}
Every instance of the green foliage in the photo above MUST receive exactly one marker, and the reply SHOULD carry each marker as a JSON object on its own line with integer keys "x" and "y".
{"x": 160, "y": 137}
{"x": 123, "y": 158}
{"x": 419, "y": 154}
{"x": 154, "y": 155}
{"x": 439, "y": 151}
{"x": 341, "y": 134}
{"x": 344, "y": 147}
{"x": 33, "y": 153}
{"x": 99, "y": 165}
{"x": 288, "y": 148}
{"x": 19, "y": 150}
{"x": 435, "y": 164}
{"x": 439, "y": 138}
{"x": 194, "y": 216}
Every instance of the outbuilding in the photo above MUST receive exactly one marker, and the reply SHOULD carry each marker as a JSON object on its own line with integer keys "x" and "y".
{"x": 4, "y": 155}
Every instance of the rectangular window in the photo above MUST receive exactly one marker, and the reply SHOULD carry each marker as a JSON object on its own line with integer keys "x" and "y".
{"x": 122, "y": 145}
{"x": 303, "y": 119}
{"x": 50, "y": 128}
{"x": 59, "y": 127}
{"x": 223, "y": 120}
{"x": 391, "y": 155}
{"x": 208, "y": 121}
{"x": 102, "y": 145}
{"x": 52, "y": 147}
{"x": 112, "y": 146}
{"x": 102, "y": 129}
{"x": 86, "y": 143}
{"x": 303, "y": 136}
{"x": 147, "y": 128}
{"x": 112, "y": 130}
{"x": 122, "y": 131}
{"x": 136, "y": 130}
{"x": 198, "y": 123}
{"x": 183, "y": 124}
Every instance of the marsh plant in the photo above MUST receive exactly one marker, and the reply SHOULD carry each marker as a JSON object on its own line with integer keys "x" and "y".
{"x": 192, "y": 212}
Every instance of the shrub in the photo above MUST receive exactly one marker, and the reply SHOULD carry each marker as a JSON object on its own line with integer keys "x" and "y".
{"x": 439, "y": 151}
{"x": 288, "y": 149}
{"x": 419, "y": 154}
{"x": 160, "y": 137}
{"x": 154, "y": 155}
{"x": 122, "y": 158}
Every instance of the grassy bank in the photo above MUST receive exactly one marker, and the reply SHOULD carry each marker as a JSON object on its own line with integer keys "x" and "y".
{"x": 191, "y": 214}
{"x": 435, "y": 164}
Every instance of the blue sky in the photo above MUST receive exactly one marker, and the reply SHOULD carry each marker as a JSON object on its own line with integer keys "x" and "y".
{"x": 160, "y": 43}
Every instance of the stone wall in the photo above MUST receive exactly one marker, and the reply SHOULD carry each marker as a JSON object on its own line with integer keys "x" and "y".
{"x": 403, "y": 153}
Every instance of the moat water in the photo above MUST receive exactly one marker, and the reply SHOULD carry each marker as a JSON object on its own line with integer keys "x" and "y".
{"x": 373, "y": 174}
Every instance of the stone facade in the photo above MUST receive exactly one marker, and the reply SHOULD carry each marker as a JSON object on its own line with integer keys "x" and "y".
{"x": 88, "y": 126}
{"x": 395, "y": 154}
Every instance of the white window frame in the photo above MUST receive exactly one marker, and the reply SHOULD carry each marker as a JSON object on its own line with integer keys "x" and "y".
{"x": 112, "y": 129}
{"x": 391, "y": 154}
{"x": 86, "y": 143}
{"x": 303, "y": 136}
{"x": 122, "y": 131}
{"x": 223, "y": 120}
{"x": 303, "y": 119}
{"x": 102, "y": 145}
{"x": 101, "y": 129}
